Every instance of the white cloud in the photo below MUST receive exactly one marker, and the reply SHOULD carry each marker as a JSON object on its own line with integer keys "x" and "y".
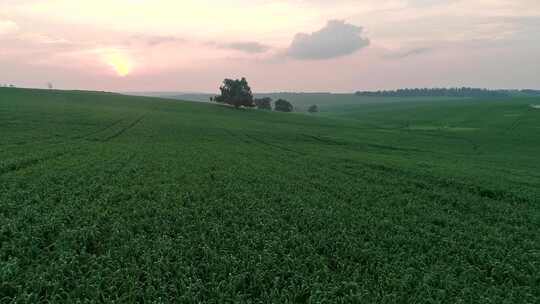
{"x": 336, "y": 39}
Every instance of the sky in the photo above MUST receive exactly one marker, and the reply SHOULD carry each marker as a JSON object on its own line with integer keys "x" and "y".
{"x": 278, "y": 45}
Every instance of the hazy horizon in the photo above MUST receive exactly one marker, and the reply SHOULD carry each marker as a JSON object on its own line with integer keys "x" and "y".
{"x": 279, "y": 46}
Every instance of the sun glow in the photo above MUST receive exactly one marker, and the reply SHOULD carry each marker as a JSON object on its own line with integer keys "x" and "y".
{"x": 120, "y": 63}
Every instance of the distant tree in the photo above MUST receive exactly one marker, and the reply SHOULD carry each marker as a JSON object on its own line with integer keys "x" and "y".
{"x": 283, "y": 105}
{"x": 313, "y": 109}
{"x": 263, "y": 103}
{"x": 49, "y": 85}
{"x": 236, "y": 93}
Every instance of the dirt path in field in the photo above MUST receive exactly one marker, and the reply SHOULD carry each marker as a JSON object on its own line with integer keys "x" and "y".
{"x": 114, "y": 123}
{"x": 123, "y": 130}
{"x": 518, "y": 120}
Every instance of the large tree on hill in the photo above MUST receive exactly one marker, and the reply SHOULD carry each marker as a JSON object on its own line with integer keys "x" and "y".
{"x": 283, "y": 106}
{"x": 236, "y": 93}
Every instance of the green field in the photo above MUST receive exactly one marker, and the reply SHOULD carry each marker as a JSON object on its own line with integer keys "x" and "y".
{"x": 112, "y": 198}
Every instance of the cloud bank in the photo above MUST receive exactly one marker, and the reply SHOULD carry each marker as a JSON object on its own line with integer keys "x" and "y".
{"x": 336, "y": 39}
{"x": 415, "y": 43}
{"x": 155, "y": 40}
{"x": 407, "y": 53}
{"x": 247, "y": 47}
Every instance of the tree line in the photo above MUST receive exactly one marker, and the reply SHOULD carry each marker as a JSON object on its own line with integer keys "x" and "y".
{"x": 437, "y": 92}
{"x": 449, "y": 92}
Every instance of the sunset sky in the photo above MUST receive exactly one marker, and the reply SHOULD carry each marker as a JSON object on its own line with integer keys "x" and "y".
{"x": 279, "y": 45}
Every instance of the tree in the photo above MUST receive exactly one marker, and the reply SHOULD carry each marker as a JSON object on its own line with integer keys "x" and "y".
{"x": 236, "y": 93}
{"x": 313, "y": 109}
{"x": 263, "y": 103}
{"x": 283, "y": 105}
{"x": 49, "y": 85}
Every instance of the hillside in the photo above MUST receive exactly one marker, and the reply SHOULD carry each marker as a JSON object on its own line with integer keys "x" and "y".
{"x": 302, "y": 101}
{"x": 139, "y": 199}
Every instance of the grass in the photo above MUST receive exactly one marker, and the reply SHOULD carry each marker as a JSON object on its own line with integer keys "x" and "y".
{"x": 111, "y": 198}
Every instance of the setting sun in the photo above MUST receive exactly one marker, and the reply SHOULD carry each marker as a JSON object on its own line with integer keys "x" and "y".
{"x": 121, "y": 64}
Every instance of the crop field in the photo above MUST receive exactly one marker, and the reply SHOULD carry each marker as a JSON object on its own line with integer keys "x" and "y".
{"x": 113, "y": 198}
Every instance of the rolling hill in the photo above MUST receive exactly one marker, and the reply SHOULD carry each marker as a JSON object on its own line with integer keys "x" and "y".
{"x": 138, "y": 199}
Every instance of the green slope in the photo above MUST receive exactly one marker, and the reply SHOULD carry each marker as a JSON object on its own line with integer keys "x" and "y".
{"x": 106, "y": 197}
{"x": 326, "y": 102}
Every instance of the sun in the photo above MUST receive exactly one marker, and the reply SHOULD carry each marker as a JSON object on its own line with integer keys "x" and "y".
{"x": 120, "y": 63}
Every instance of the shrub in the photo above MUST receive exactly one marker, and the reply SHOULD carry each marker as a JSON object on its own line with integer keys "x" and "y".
{"x": 263, "y": 103}
{"x": 313, "y": 109}
{"x": 283, "y": 105}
